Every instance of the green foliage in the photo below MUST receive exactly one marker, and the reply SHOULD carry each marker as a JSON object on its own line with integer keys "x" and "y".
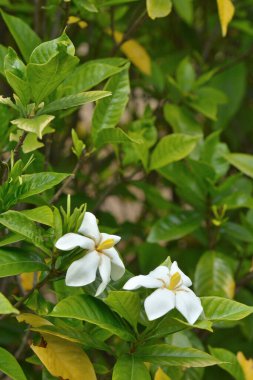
{"x": 140, "y": 113}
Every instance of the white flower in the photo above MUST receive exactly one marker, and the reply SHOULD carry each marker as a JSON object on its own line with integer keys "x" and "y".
{"x": 101, "y": 255}
{"x": 173, "y": 292}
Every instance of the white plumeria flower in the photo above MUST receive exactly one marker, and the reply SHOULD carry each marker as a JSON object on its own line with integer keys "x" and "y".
{"x": 101, "y": 255}
{"x": 173, "y": 292}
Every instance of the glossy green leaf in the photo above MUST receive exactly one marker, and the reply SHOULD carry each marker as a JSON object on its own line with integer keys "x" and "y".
{"x": 172, "y": 148}
{"x": 242, "y": 162}
{"x": 232, "y": 366}
{"x": 92, "y": 310}
{"x": 158, "y": 8}
{"x": 14, "y": 261}
{"x": 206, "y": 101}
{"x": 38, "y": 182}
{"x": 24, "y": 36}
{"x": 126, "y": 304}
{"x": 129, "y": 368}
{"x": 181, "y": 119}
{"x": 35, "y": 125}
{"x": 174, "y": 226}
{"x": 222, "y": 309}
{"x": 214, "y": 276}
{"x": 74, "y": 101}
{"x": 3, "y": 53}
{"x": 10, "y": 366}
{"x": 114, "y": 136}
{"x": 43, "y": 215}
{"x": 109, "y": 110}
{"x": 15, "y": 72}
{"x": 78, "y": 145}
{"x": 5, "y": 306}
{"x": 19, "y": 223}
{"x": 90, "y": 74}
{"x": 164, "y": 354}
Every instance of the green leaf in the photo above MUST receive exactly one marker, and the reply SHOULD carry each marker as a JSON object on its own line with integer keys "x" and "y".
{"x": 185, "y": 75}
{"x": 164, "y": 354}
{"x": 184, "y": 8}
{"x": 222, "y": 309}
{"x": 35, "y": 125}
{"x": 89, "y": 309}
{"x": 78, "y": 145}
{"x": 114, "y": 136}
{"x": 232, "y": 366}
{"x": 172, "y": 148}
{"x": 129, "y": 368}
{"x": 10, "y": 366}
{"x": 206, "y": 101}
{"x": 126, "y": 304}
{"x": 50, "y": 63}
{"x": 181, "y": 119}
{"x": 6, "y": 307}
{"x": 242, "y": 162}
{"x": 38, "y": 182}
{"x": 43, "y": 215}
{"x": 13, "y": 262}
{"x": 15, "y": 72}
{"x": 3, "y": 53}
{"x": 88, "y": 75}
{"x": 19, "y": 223}
{"x": 214, "y": 276}
{"x": 174, "y": 227}
{"x": 158, "y": 8}
{"x": 10, "y": 239}
{"x": 108, "y": 111}
{"x": 24, "y": 36}
{"x": 74, "y": 101}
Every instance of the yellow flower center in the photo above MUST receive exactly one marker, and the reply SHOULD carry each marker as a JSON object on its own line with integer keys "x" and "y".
{"x": 174, "y": 281}
{"x": 109, "y": 243}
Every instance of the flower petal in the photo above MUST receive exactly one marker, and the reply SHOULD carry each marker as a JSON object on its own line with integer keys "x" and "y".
{"x": 188, "y": 304}
{"x": 118, "y": 267}
{"x": 89, "y": 227}
{"x": 160, "y": 302}
{"x": 160, "y": 272}
{"x": 104, "y": 237}
{"x": 185, "y": 279}
{"x": 145, "y": 281}
{"x": 83, "y": 271}
{"x": 105, "y": 271}
{"x": 71, "y": 241}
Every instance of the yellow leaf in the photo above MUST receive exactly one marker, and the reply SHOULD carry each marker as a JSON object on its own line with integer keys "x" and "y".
{"x": 73, "y": 20}
{"x": 27, "y": 280}
{"x": 33, "y": 320}
{"x": 226, "y": 11}
{"x": 158, "y": 8}
{"x": 65, "y": 359}
{"x": 247, "y": 366}
{"x": 135, "y": 53}
{"x": 83, "y": 24}
{"x": 161, "y": 375}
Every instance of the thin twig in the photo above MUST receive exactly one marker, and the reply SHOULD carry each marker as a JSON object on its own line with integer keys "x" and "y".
{"x": 17, "y": 148}
{"x": 129, "y": 32}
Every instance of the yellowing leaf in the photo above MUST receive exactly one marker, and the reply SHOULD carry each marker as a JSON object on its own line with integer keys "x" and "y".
{"x": 158, "y": 8}
{"x": 33, "y": 320}
{"x": 226, "y": 11}
{"x": 247, "y": 366}
{"x": 27, "y": 280}
{"x": 76, "y": 20}
{"x": 65, "y": 359}
{"x": 161, "y": 375}
{"x": 135, "y": 53}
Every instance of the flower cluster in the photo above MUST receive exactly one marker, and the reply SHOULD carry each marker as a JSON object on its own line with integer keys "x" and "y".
{"x": 171, "y": 284}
